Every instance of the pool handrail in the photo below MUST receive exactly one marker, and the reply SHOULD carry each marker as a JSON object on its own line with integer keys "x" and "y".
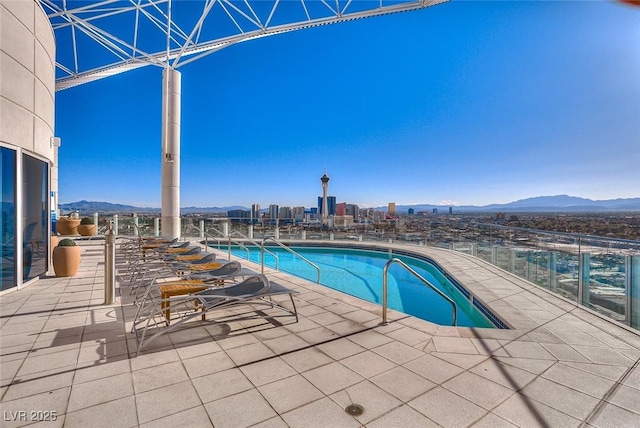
{"x": 417, "y": 275}
{"x": 236, "y": 242}
{"x": 254, "y": 242}
{"x": 206, "y": 236}
{"x": 289, "y": 250}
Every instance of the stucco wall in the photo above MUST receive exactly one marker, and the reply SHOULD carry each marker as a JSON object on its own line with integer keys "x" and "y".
{"x": 27, "y": 77}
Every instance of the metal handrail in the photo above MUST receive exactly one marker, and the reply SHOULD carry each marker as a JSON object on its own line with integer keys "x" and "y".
{"x": 254, "y": 242}
{"x": 417, "y": 275}
{"x": 289, "y": 250}
{"x": 219, "y": 241}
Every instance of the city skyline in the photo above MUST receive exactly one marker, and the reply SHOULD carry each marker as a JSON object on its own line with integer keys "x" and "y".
{"x": 464, "y": 103}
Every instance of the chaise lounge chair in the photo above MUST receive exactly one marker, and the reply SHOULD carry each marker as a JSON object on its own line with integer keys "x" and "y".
{"x": 227, "y": 271}
{"x": 256, "y": 292}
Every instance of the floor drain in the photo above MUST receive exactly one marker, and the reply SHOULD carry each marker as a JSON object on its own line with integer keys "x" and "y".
{"x": 354, "y": 409}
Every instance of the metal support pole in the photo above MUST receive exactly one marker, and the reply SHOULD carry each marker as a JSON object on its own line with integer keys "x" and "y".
{"x": 201, "y": 227}
{"x": 110, "y": 266}
{"x": 474, "y": 249}
{"x": 156, "y": 227}
{"x": 250, "y": 231}
{"x": 225, "y": 229}
{"x": 304, "y": 235}
{"x": 494, "y": 255}
{"x": 95, "y": 220}
{"x": 277, "y": 232}
{"x": 584, "y": 268}
{"x": 632, "y": 287}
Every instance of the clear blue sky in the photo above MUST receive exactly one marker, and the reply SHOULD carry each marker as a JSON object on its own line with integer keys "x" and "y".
{"x": 466, "y": 103}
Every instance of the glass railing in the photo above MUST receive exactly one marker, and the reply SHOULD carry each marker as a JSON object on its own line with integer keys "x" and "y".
{"x": 600, "y": 273}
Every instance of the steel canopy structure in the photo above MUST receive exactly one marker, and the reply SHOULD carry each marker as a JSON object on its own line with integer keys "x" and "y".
{"x": 97, "y": 39}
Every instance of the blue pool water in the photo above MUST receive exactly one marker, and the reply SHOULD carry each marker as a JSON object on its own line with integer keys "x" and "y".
{"x": 359, "y": 273}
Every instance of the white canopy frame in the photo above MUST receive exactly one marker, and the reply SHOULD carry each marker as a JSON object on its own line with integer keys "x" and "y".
{"x": 129, "y": 34}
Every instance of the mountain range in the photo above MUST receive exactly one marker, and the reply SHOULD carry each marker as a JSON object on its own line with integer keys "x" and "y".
{"x": 558, "y": 203}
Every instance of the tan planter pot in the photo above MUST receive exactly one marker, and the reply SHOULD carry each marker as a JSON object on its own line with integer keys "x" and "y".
{"x": 67, "y": 226}
{"x": 66, "y": 260}
{"x": 87, "y": 229}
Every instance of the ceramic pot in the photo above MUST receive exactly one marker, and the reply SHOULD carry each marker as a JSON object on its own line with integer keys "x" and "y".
{"x": 66, "y": 260}
{"x": 87, "y": 229}
{"x": 67, "y": 226}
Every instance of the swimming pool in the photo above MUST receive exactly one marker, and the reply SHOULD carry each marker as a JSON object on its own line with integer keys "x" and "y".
{"x": 359, "y": 273}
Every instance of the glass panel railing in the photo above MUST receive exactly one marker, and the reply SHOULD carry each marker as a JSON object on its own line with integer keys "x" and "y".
{"x": 551, "y": 260}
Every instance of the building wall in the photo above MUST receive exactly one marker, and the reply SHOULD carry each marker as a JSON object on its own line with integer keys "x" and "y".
{"x": 27, "y": 113}
{"x": 27, "y": 70}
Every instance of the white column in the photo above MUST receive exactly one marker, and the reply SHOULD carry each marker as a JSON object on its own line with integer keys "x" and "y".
{"x": 170, "y": 209}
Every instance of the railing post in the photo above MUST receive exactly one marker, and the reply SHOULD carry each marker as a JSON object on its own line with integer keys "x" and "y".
{"x": 277, "y": 232}
{"x": 584, "y": 270}
{"x": 135, "y": 221}
{"x": 304, "y": 235}
{"x": 385, "y": 271}
{"x": 201, "y": 227}
{"x": 528, "y": 269}
{"x": 95, "y": 220}
{"x": 632, "y": 287}
{"x": 115, "y": 224}
{"x": 512, "y": 260}
{"x": 250, "y": 231}
{"x": 474, "y": 249}
{"x": 156, "y": 226}
{"x": 553, "y": 271}
{"x": 494, "y": 255}
{"x": 109, "y": 266}
{"x": 225, "y": 229}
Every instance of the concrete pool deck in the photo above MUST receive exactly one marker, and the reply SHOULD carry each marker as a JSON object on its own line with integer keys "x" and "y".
{"x": 66, "y": 354}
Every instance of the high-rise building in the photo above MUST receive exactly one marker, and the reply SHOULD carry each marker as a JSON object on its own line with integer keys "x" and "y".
{"x": 331, "y": 203}
{"x": 410, "y": 211}
{"x": 392, "y": 209}
{"x": 341, "y": 209}
{"x": 298, "y": 214}
{"x": 284, "y": 213}
{"x": 255, "y": 213}
{"x": 273, "y": 213}
{"x": 353, "y": 210}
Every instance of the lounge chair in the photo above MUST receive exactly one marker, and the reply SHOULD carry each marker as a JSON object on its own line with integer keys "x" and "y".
{"x": 227, "y": 271}
{"x": 188, "y": 251}
{"x": 256, "y": 292}
{"x": 184, "y": 261}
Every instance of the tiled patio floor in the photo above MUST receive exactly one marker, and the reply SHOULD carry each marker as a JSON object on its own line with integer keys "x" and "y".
{"x": 65, "y": 354}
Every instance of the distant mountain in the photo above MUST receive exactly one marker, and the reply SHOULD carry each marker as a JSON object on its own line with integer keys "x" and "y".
{"x": 88, "y": 207}
{"x": 558, "y": 203}
{"x": 102, "y": 207}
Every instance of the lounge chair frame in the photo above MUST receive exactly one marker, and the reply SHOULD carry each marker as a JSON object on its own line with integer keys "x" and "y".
{"x": 256, "y": 291}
